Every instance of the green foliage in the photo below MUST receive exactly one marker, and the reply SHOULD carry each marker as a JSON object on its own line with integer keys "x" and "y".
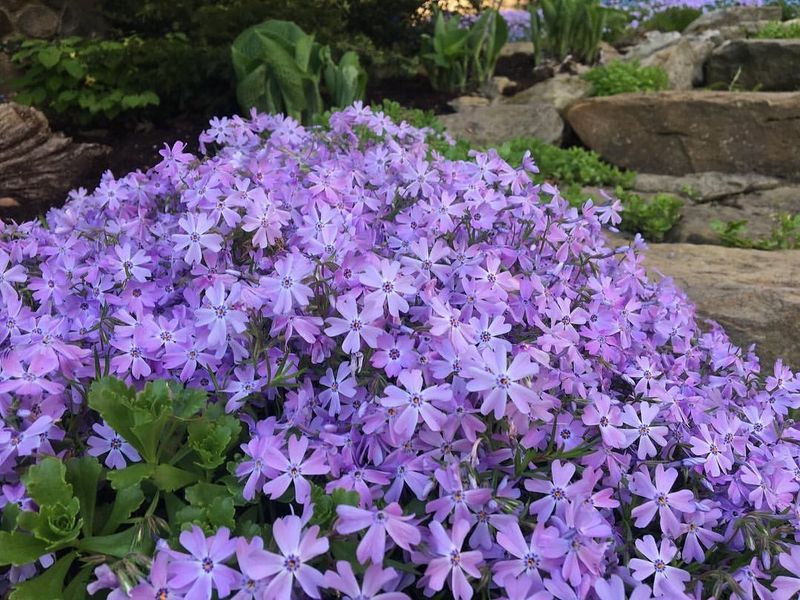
{"x": 652, "y": 218}
{"x": 789, "y": 8}
{"x": 279, "y": 69}
{"x": 78, "y": 78}
{"x": 458, "y": 59}
{"x": 563, "y": 28}
{"x": 621, "y": 77}
{"x": 785, "y": 234}
{"x": 674, "y": 18}
{"x": 777, "y": 30}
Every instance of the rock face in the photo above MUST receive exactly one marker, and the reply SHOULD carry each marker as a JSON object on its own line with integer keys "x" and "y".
{"x": 560, "y": 91}
{"x": 653, "y": 42}
{"x": 38, "y": 167}
{"x": 683, "y": 61}
{"x": 754, "y": 295}
{"x": 706, "y": 187}
{"x": 492, "y": 125}
{"x": 770, "y": 65}
{"x": 758, "y": 208}
{"x": 679, "y": 132}
{"x": 736, "y": 21}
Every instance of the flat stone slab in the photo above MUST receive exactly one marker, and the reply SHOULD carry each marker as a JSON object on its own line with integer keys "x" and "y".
{"x": 768, "y": 65}
{"x": 680, "y": 132}
{"x": 706, "y": 187}
{"x": 493, "y": 125}
{"x": 754, "y": 295}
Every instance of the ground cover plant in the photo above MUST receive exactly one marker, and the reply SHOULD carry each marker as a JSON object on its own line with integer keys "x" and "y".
{"x": 620, "y": 77}
{"x": 326, "y": 362}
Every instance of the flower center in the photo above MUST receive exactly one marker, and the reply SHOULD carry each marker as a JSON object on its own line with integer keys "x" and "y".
{"x": 292, "y": 563}
{"x": 208, "y": 564}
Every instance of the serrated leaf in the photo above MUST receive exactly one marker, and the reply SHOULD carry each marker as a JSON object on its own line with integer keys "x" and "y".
{"x": 169, "y": 478}
{"x": 130, "y": 476}
{"x": 46, "y": 482}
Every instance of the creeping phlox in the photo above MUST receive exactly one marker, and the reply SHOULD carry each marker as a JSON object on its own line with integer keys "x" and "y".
{"x": 513, "y": 407}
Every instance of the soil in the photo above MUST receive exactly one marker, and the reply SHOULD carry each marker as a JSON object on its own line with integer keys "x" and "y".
{"x": 413, "y": 92}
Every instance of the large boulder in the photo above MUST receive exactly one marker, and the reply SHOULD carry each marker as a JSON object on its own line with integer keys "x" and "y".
{"x": 755, "y": 295}
{"x": 492, "y": 125}
{"x": 705, "y": 187}
{"x": 561, "y": 90}
{"x": 769, "y": 65}
{"x": 679, "y": 132}
{"x": 38, "y": 167}
{"x": 736, "y": 21}
{"x": 683, "y": 60}
{"x": 653, "y": 41}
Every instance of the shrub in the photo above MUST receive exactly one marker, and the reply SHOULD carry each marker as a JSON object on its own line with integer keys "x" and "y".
{"x": 785, "y": 234}
{"x": 564, "y": 28}
{"x": 458, "y": 58}
{"x": 279, "y": 68}
{"x": 777, "y": 30}
{"x": 652, "y": 218}
{"x": 619, "y": 77}
{"x": 676, "y": 18}
{"x": 80, "y": 79}
{"x": 284, "y": 352}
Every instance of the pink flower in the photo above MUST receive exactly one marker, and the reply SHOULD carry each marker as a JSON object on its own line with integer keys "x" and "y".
{"x": 668, "y": 580}
{"x": 380, "y": 522}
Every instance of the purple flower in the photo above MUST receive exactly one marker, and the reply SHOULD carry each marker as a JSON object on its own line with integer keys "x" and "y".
{"x": 358, "y": 326}
{"x": 294, "y": 469}
{"x": 661, "y": 499}
{"x": 157, "y": 584}
{"x": 413, "y": 402}
{"x": 196, "y": 237}
{"x": 787, "y": 588}
{"x": 376, "y": 579}
{"x": 380, "y": 522}
{"x": 390, "y": 288}
{"x": 498, "y": 381}
{"x": 282, "y": 570}
{"x": 221, "y": 315}
{"x": 668, "y": 580}
{"x": 449, "y": 561}
{"x": 530, "y": 558}
{"x": 203, "y": 569}
{"x": 112, "y": 443}
{"x": 286, "y": 288}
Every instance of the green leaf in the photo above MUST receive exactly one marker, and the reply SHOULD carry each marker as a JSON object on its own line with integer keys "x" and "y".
{"x": 74, "y": 68}
{"x": 46, "y": 482}
{"x": 210, "y": 438}
{"x": 57, "y": 524}
{"x": 19, "y": 548}
{"x": 10, "y": 514}
{"x": 169, "y": 478}
{"x": 127, "y": 500}
{"x": 84, "y": 475}
{"x": 118, "y": 545}
{"x": 130, "y": 476}
{"x": 109, "y": 396}
{"x": 49, "y": 585}
{"x": 76, "y": 589}
{"x": 49, "y": 56}
{"x": 187, "y": 402}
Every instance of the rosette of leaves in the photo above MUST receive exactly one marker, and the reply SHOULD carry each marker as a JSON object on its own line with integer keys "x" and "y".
{"x": 456, "y": 58}
{"x": 279, "y": 69}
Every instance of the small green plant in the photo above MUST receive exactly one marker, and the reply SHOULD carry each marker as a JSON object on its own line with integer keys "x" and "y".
{"x": 563, "y": 28}
{"x": 785, "y": 234}
{"x": 458, "y": 58}
{"x": 79, "y": 78}
{"x": 652, "y": 218}
{"x": 778, "y": 30}
{"x": 621, "y": 77}
{"x": 279, "y": 69}
{"x": 674, "y": 18}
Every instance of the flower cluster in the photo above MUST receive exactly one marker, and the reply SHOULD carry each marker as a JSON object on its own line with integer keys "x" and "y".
{"x": 509, "y": 404}
{"x": 518, "y": 21}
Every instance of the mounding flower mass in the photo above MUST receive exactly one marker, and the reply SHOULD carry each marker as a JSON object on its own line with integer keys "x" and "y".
{"x": 424, "y": 377}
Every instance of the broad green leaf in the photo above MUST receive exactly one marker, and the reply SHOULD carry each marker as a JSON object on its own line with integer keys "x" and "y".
{"x": 84, "y": 475}
{"x": 130, "y": 476}
{"x": 49, "y": 585}
{"x": 169, "y": 478}
{"x": 49, "y": 56}
{"x": 76, "y": 589}
{"x": 75, "y": 68}
{"x": 109, "y": 396}
{"x": 46, "y": 482}
{"x": 20, "y": 548}
{"x": 118, "y": 544}
{"x": 126, "y": 502}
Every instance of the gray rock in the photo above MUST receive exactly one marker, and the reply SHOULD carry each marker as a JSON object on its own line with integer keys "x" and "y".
{"x": 466, "y": 102}
{"x": 705, "y": 187}
{"x": 492, "y": 125}
{"x": 679, "y": 132}
{"x": 560, "y": 91}
{"x": 513, "y": 48}
{"x": 770, "y": 65}
{"x": 683, "y": 61}
{"x": 653, "y": 42}
{"x": 735, "y": 21}
{"x": 759, "y": 209}
{"x": 37, "y": 21}
{"x": 754, "y": 295}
